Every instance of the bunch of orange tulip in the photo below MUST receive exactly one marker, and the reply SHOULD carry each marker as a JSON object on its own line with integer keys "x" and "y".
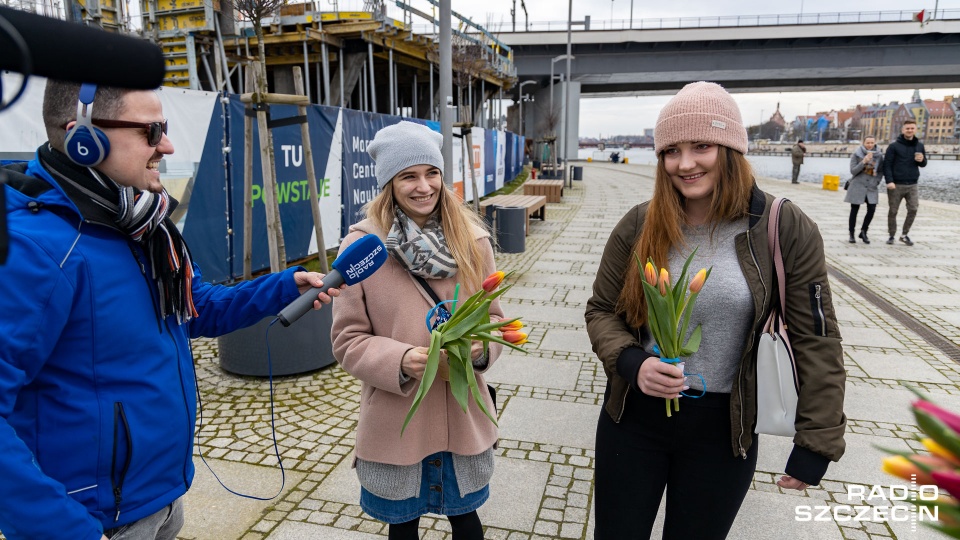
{"x": 941, "y": 430}
{"x": 468, "y": 322}
{"x": 668, "y": 312}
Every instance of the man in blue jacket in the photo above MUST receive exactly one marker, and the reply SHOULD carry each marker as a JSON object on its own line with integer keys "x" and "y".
{"x": 901, "y": 168}
{"x": 98, "y": 301}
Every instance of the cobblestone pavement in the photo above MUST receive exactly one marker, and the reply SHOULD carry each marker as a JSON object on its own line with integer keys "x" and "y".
{"x": 550, "y": 398}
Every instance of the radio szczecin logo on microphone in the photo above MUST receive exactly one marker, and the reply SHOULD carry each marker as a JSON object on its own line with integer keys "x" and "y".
{"x": 355, "y": 270}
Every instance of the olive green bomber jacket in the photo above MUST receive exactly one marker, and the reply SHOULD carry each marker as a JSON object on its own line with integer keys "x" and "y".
{"x": 810, "y": 318}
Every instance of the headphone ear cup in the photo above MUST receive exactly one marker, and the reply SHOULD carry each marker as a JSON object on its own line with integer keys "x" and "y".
{"x": 86, "y": 146}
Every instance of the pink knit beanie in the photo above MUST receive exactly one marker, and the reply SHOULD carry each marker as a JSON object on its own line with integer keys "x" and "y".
{"x": 701, "y": 112}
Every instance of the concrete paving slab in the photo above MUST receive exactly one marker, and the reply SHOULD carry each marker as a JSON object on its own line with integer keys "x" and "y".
{"x": 772, "y": 516}
{"x": 520, "y": 292}
{"x": 892, "y": 270}
{"x": 860, "y": 464}
{"x": 531, "y": 313}
{"x": 869, "y": 337}
{"x": 296, "y": 530}
{"x": 341, "y": 485}
{"x": 903, "y": 284}
{"x": 933, "y": 299}
{"x": 848, "y": 314}
{"x": 212, "y": 512}
{"x": 567, "y": 279}
{"x": 550, "y": 422}
{"x": 897, "y": 366}
{"x": 887, "y": 405}
{"x": 515, "y": 494}
{"x": 523, "y": 370}
{"x": 578, "y": 296}
{"x": 951, "y": 317}
{"x": 575, "y": 341}
{"x": 551, "y": 266}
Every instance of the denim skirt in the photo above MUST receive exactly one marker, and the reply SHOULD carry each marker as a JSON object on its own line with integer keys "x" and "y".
{"x": 439, "y": 494}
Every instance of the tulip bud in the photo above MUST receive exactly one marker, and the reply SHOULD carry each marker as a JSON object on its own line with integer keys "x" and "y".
{"x": 650, "y": 274}
{"x": 517, "y": 338}
{"x": 698, "y": 281}
{"x": 514, "y": 326}
{"x": 936, "y": 449}
{"x": 948, "y": 480}
{"x": 664, "y": 281}
{"x": 493, "y": 281}
{"x": 952, "y": 420}
{"x": 901, "y": 467}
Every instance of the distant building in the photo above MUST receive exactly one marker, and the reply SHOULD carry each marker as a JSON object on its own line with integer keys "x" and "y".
{"x": 941, "y": 121}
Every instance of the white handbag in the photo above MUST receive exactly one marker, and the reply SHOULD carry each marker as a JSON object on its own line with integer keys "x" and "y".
{"x": 777, "y": 382}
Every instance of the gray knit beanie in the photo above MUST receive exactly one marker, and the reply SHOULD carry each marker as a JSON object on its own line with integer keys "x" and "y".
{"x": 402, "y": 145}
{"x": 701, "y": 112}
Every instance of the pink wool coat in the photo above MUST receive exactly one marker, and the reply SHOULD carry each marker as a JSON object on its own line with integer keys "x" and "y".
{"x": 374, "y": 323}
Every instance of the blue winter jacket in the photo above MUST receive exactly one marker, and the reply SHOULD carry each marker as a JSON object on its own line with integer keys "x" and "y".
{"x": 97, "y": 393}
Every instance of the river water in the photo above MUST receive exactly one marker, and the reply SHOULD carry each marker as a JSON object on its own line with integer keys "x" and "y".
{"x": 939, "y": 180}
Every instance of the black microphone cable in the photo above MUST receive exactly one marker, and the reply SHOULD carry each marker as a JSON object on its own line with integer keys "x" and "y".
{"x": 26, "y": 64}
{"x": 273, "y": 425}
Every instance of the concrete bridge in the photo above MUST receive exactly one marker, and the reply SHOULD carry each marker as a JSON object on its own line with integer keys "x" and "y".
{"x": 833, "y": 51}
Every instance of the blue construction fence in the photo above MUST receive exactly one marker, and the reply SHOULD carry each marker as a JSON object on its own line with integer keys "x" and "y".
{"x": 212, "y": 221}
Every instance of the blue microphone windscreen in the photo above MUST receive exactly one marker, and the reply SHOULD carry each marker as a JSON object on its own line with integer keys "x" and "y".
{"x": 361, "y": 259}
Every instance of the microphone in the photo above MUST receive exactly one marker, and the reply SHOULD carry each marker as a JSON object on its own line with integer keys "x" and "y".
{"x": 361, "y": 259}
{"x": 73, "y": 52}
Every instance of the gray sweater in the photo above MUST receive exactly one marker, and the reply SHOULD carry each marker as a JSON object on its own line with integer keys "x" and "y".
{"x": 724, "y": 306}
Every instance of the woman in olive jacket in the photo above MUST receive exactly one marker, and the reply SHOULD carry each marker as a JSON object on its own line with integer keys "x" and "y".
{"x": 705, "y": 454}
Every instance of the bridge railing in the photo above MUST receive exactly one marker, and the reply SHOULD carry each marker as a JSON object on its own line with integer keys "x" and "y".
{"x": 796, "y": 19}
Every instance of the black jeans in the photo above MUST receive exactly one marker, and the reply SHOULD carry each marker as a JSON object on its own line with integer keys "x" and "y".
{"x": 689, "y": 454}
{"x": 854, "y": 209}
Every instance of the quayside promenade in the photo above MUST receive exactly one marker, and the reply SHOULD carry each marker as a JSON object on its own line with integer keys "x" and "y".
{"x": 550, "y": 398}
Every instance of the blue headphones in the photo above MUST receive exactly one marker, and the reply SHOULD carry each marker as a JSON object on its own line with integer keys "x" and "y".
{"x": 86, "y": 145}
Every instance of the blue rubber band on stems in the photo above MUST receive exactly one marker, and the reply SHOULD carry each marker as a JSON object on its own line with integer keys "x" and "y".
{"x": 675, "y": 361}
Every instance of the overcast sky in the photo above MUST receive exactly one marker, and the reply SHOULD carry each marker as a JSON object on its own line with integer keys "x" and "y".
{"x": 630, "y": 115}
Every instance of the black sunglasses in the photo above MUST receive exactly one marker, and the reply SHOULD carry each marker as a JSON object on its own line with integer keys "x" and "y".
{"x": 155, "y": 130}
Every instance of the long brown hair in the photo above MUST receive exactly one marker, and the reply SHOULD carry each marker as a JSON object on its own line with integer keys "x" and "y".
{"x": 458, "y": 222}
{"x": 665, "y": 216}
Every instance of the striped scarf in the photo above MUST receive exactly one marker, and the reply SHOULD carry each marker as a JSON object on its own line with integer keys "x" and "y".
{"x": 144, "y": 216}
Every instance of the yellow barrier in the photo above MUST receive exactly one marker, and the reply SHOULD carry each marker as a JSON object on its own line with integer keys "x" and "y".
{"x": 831, "y": 182}
{"x": 626, "y": 160}
{"x": 589, "y": 159}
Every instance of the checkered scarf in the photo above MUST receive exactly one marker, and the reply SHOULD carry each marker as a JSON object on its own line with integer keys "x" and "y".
{"x": 424, "y": 251}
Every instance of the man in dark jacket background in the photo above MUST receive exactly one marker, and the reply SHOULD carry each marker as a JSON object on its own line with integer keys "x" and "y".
{"x": 796, "y": 155}
{"x": 901, "y": 168}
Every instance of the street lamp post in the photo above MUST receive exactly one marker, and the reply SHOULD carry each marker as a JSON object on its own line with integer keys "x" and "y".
{"x": 553, "y": 61}
{"x": 524, "y": 83}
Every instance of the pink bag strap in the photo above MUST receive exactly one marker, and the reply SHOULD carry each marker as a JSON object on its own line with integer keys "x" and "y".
{"x": 773, "y": 239}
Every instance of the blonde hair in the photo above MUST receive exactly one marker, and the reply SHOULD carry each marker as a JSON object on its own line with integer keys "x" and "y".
{"x": 458, "y": 222}
{"x": 665, "y": 216}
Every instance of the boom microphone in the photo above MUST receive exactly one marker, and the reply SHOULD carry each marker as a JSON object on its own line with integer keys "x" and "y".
{"x": 361, "y": 259}
{"x": 73, "y": 52}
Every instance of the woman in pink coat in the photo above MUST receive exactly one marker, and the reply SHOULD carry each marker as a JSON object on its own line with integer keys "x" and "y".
{"x": 443, "y": 462}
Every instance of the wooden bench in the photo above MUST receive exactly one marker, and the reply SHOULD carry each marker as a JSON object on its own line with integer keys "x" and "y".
{"x": 536, "y": 205}
{"x": 551, "y": 189}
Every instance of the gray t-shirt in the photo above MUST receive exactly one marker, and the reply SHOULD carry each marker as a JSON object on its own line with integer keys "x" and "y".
{"x": 724, "y": 306}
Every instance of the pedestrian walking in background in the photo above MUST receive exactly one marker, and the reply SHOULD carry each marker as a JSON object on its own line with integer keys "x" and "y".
{"x": 866, "y": 166}
{"x": 796, "y": 155}
{"x": 901, "y": 169}
{"x": 705, "y": 198}
{"x": 444, "y": 461}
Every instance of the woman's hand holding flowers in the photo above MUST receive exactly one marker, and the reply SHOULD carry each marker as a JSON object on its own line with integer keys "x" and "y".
{"x": 660, "y": 379}
{"x": 414, "y": 362}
